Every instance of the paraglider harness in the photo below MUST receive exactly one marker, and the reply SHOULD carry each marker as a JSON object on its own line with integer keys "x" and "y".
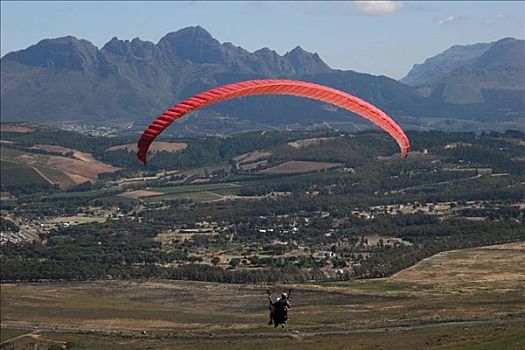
{"x": 278, "y": 310}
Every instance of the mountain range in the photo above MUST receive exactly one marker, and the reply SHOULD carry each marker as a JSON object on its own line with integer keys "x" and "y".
{"x": 67, "y": 80}
{"x": 481, "y": 73}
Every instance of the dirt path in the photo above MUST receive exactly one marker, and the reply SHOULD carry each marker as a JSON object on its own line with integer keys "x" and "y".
{"x": 275, "y": 334}
{"x": 214, "y": 194}
{"x": 19, "y": 336}
{"x": 43, "y": 176}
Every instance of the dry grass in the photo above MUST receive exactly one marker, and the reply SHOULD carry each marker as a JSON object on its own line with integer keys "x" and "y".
{"x": 496, "y": 267}
{"x": 308, "y": 142}
{"x": 426, "y": 293}
{"x": 252, "y": 157}
{"x": 294, "y": 167}
{"x": 374, "y": 239}
{"x": 78, "y": 219}
{"x": 77, "y": 179}
{"x": 141, "y": 194}
{"x": 53, "y": 149}
{"x": 83, "y": 156}
{"x": 444, "y": 338}
{"x": 481, "y": 284}
{"x": 255, "y": 165}
{"x": 155, "y": 147}
{"x": 80, "y": 170}
{"x": 6, "y": 333}
{"x": 16, "y": 128}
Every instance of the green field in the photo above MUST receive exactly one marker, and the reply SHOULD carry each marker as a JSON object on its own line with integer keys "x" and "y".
{"x": 196, "y": 193}
{"x": 13, "y": 174}
{"x": 77, "y": 194}
{"x": 213, "y": 191}
{"x": 57, "y": 176}
{"x": 194, "y": 188}
{"x": 407, "y": 311}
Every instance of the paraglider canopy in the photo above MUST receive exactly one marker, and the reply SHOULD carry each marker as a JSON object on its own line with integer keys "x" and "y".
{"x": 273, "y": 87}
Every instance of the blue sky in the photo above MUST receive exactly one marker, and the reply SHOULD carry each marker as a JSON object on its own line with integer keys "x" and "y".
{"x": 383, "y": 37}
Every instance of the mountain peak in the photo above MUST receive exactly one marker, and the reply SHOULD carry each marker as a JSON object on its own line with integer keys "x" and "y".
{"x": 305, "y": 62}
{"x": 508, "y": 39}
{"x": 193, "y": 44}
{"x": 126, "y": 48}
{"x": 65, "y": 52}
{"x": 298, "y": 49}
{"x": 117, "y": 46}
{"x": 478, "y": 73}
{"x": 188, "y": 33}
{"x": 507, "y": 53}
{"x": 442, "y": 64}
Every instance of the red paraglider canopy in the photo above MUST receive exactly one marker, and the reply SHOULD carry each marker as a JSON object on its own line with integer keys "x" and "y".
{"x": 273, "y": 87}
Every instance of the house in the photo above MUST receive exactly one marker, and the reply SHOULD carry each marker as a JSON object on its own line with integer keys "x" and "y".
{"x": 326, "y": 253}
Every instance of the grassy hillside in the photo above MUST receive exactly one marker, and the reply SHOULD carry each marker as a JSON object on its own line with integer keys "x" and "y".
{"x": 426, "y": 306}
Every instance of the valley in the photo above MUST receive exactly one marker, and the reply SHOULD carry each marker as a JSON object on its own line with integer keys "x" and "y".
{"x": 256, "y": 207}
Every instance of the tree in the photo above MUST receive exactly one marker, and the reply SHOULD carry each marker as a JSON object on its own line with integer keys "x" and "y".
{"x": 235, "y": 262}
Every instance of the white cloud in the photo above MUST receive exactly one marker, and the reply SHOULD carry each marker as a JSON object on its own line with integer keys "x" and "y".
{"x": 497, "y": 17}
{"x": 377, "y": 7}
{"x": 447, "y": 19}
